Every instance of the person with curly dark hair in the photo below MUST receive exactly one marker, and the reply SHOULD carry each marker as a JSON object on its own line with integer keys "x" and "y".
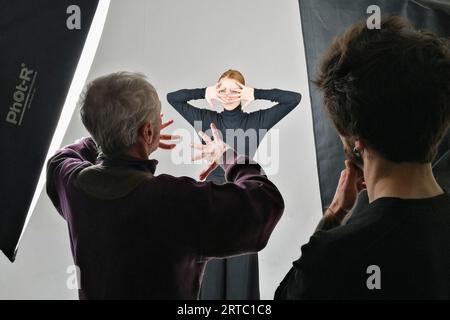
{"x": 387, "y": 92}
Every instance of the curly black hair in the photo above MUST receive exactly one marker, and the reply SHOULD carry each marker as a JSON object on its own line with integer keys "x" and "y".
{"x": 390, "y": 87}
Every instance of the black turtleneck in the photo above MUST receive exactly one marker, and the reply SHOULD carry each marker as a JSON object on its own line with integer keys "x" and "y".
{"x": 245, "y": 130}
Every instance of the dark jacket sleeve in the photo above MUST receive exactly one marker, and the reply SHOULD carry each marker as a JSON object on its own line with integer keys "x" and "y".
{"x": 299, "y": 284}
{"x": 64, "y": 164}
{"x": 179, "y": 100}
{"x": 316, "y": 275}
{"x": 235, "y": 217}
{"x": 286, "y": 102}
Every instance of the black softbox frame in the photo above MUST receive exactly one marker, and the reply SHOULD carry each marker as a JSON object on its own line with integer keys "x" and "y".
{"x": 322, "y": 20}
{"x": 39, "y": 55}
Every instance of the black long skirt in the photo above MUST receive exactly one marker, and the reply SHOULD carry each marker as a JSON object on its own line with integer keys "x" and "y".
{"x": 235, "y": 278}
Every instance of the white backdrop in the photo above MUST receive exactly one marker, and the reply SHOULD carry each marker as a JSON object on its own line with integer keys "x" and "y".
{"x": 188, "y": 44}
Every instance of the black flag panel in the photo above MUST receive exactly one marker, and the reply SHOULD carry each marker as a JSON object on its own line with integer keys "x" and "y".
{"x": 41, "y": 43}
{"x": 323, "y": 20}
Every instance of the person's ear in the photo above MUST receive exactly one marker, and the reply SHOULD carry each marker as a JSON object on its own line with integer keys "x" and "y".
{"x": 359, "y": 144}
{"x": 361, "y": 147}
{"x": 146, "y": 132}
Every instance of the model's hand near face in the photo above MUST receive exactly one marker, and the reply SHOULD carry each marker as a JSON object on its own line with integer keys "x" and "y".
{"x": 212, "y": 151}
{"x": 247, "y": 94}
{"x": 228, "y": 94}
{"x": 212, "y": 93}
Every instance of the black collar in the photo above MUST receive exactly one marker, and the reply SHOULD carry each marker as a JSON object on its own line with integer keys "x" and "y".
{"x": 235, "y": 111}
{"x": 123, "y": 160}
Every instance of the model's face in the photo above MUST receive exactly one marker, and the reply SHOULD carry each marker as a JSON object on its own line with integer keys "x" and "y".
{"x": 228, "y": 92}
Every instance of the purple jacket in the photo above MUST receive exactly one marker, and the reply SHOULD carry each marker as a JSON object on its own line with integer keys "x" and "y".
{"x": 135, "y": 235}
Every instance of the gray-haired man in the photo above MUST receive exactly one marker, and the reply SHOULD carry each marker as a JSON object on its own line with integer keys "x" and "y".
{"x": 135, "y": 234}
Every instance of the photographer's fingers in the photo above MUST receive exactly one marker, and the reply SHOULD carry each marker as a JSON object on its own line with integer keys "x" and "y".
{"x": 165, "y": 125}
{"x": 169, "y": 137}
{"x": 204, "y": 154}
{"x": 215, "y": 132}
{"x": 204, "y": 137}
{"x": 166, "y": 146}
{"x": 205, "y": 173}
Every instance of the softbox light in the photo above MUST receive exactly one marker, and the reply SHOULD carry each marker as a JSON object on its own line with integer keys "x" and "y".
{"x": 47, "y": 48}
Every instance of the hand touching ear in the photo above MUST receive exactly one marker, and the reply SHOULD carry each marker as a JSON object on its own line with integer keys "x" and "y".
{"x": 350, "y": 184}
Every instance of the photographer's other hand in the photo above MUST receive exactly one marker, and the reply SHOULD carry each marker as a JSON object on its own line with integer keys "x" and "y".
{"x": 166, "y": 137}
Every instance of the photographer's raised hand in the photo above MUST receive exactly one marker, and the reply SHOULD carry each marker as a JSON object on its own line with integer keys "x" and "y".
{"x": 212, "y": 151}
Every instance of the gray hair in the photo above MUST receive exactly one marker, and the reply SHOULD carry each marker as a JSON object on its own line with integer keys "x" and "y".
{"x": 115, "y": 106}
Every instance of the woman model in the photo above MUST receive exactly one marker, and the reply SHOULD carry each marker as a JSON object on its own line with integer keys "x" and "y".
{"x": 237, "y": 277}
